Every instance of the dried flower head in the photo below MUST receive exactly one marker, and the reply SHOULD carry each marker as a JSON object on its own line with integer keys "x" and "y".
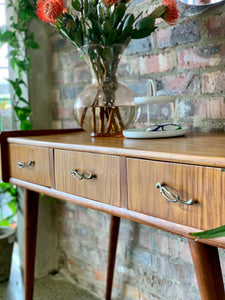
{"x": 49, "y": 10}
{"x": 109, "y": 2}
{"x": 171, "y": 15}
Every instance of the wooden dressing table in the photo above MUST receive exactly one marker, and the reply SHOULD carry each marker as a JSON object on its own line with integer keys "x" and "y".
{"x": 174, "y": 184}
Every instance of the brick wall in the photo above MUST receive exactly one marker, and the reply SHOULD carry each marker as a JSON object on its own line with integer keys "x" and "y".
{"x": 187, "y": 61}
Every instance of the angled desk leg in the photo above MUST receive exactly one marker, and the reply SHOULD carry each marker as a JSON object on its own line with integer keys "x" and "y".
{"x": 113, "y": 238}
{"x": 208, "y": 270}
{"x": 30, "y": 220}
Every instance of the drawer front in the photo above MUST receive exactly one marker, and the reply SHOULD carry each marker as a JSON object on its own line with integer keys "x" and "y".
{"x": 38, "y": 172}
{"x": 103, "y": 187}
{"x": 203, "y": 184}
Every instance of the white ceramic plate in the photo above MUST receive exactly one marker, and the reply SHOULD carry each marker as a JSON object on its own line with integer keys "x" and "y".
{"x": 138, "y": 133}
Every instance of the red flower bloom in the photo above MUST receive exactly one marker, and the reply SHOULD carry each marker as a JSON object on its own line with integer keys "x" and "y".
{"x": 49, "y": 10}
{"x": 171, "y": 15}
{"x": 109, "y": 2}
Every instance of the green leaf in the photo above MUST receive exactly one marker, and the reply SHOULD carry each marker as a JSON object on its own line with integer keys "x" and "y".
{"x": 26, "y": 15}
{"x": 4, "y": 186}
{"x": 13, "y": 206}
{"x": 128, "y": 22}
{"x": 76, "y": 5}
{"x": 4, "y": 223}
{"x": 100, "y": 13}
{"x": 112, "y": 36}
{"x": 158, "y": 12}
{"x": 30, "y": 43}
{"x": 210, "y": 234}
{"x": 22, "y": 112}
{"x": 12, "y": 62}
{"x": 6, "y": 35}
{"x": 24, "y": 100}
{"x": 118, "y": 15}
{"x": 127, "y": 28}
{"x": 145, "y": 23}
{"x": 97, "y": 29}
{"x": 140, "y": 34}
{"x": 25, "y": 125}
{"x": 107, "y": 28}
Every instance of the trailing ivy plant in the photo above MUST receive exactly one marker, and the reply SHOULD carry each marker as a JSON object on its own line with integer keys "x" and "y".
{"x": 10, "y": 200}
{"x": 18, "y": 38}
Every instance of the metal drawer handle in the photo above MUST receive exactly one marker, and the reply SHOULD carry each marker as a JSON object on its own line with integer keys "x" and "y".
{"x": 79, "y": 175}
{"x": 170, "y": 197}
{"x": 23, "y": 165}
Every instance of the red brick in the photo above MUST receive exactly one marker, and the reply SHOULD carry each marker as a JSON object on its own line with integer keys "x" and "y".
{"x": 82, "y": 216}
{"x": 54, "y": 61}
{"x": 151, "y": 64}
{"x": 59, "y": 78}
{"x": 132, "y": 292}
{"x": 69, "y": 124}
{"x": 214, "y": 82}
{"x": 56, "y": 125}
{"x": 102, "y": 242}
{"x": 200, "y": 108}
{"x": 216, "y": 108}
{"x": 190, "y": 58}
{"x": 179, "y": 85}
{"x": 55, "y": 95}
{"x": 81, "y": 74}
{"x": 160, "y": 63}
{"x": 100, "y": 275}
{"x": 215, "y": 26}
{"x": 163, "y": 37}
{"x": 213, "y": 109}
{"x": 64, "y": 111}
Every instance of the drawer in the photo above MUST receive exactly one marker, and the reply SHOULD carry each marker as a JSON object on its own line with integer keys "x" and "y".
{"x": 103, "y": 187}
{"x": 203, "y": 184}
{"x": 38, "y": 172}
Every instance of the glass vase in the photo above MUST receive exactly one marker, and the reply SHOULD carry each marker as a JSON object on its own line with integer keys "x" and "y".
{"x": 105, "y": 107}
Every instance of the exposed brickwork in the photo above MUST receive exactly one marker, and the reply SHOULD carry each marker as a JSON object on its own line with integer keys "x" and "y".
{"x": 186, "y": 61}
{"x": 215, "y": 26}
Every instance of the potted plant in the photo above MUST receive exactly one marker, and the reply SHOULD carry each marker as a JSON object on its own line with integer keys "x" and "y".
{"x": 8, "y": 209}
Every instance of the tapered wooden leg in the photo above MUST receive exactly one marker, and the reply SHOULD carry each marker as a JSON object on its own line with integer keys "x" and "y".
{"x": 208, "y": 271}
{"x": 30, "y": 219}
{"x": 113, "y": 238}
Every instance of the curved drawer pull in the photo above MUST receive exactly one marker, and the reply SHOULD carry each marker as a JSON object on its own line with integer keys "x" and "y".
{"x": 23, "y": 165}
{"x": 79, "y": 175}
{"x": 170, "y": 197}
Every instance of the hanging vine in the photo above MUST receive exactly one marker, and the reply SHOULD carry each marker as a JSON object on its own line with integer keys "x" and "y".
{"x": 16, "y": 35}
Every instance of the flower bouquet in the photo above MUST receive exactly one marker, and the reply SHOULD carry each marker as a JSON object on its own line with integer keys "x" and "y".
{"x": 101, "y": 30}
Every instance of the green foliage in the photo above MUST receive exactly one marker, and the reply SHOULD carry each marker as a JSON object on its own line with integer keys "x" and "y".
{"x": 210, "y": 234}
{"x": 7, "y": 188}
{"x": 17, "y": 37}
{"x": 95, "y": 23}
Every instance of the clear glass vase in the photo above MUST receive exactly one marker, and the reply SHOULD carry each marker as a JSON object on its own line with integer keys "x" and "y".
{"x": 106, "y": 107}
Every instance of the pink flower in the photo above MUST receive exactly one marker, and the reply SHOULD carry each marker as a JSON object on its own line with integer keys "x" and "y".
{"x": 49, "y": 10}
{"x": 171, "y": 15}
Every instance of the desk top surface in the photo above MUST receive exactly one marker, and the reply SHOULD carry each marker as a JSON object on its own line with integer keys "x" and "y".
{"x": 194, "y": 148}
